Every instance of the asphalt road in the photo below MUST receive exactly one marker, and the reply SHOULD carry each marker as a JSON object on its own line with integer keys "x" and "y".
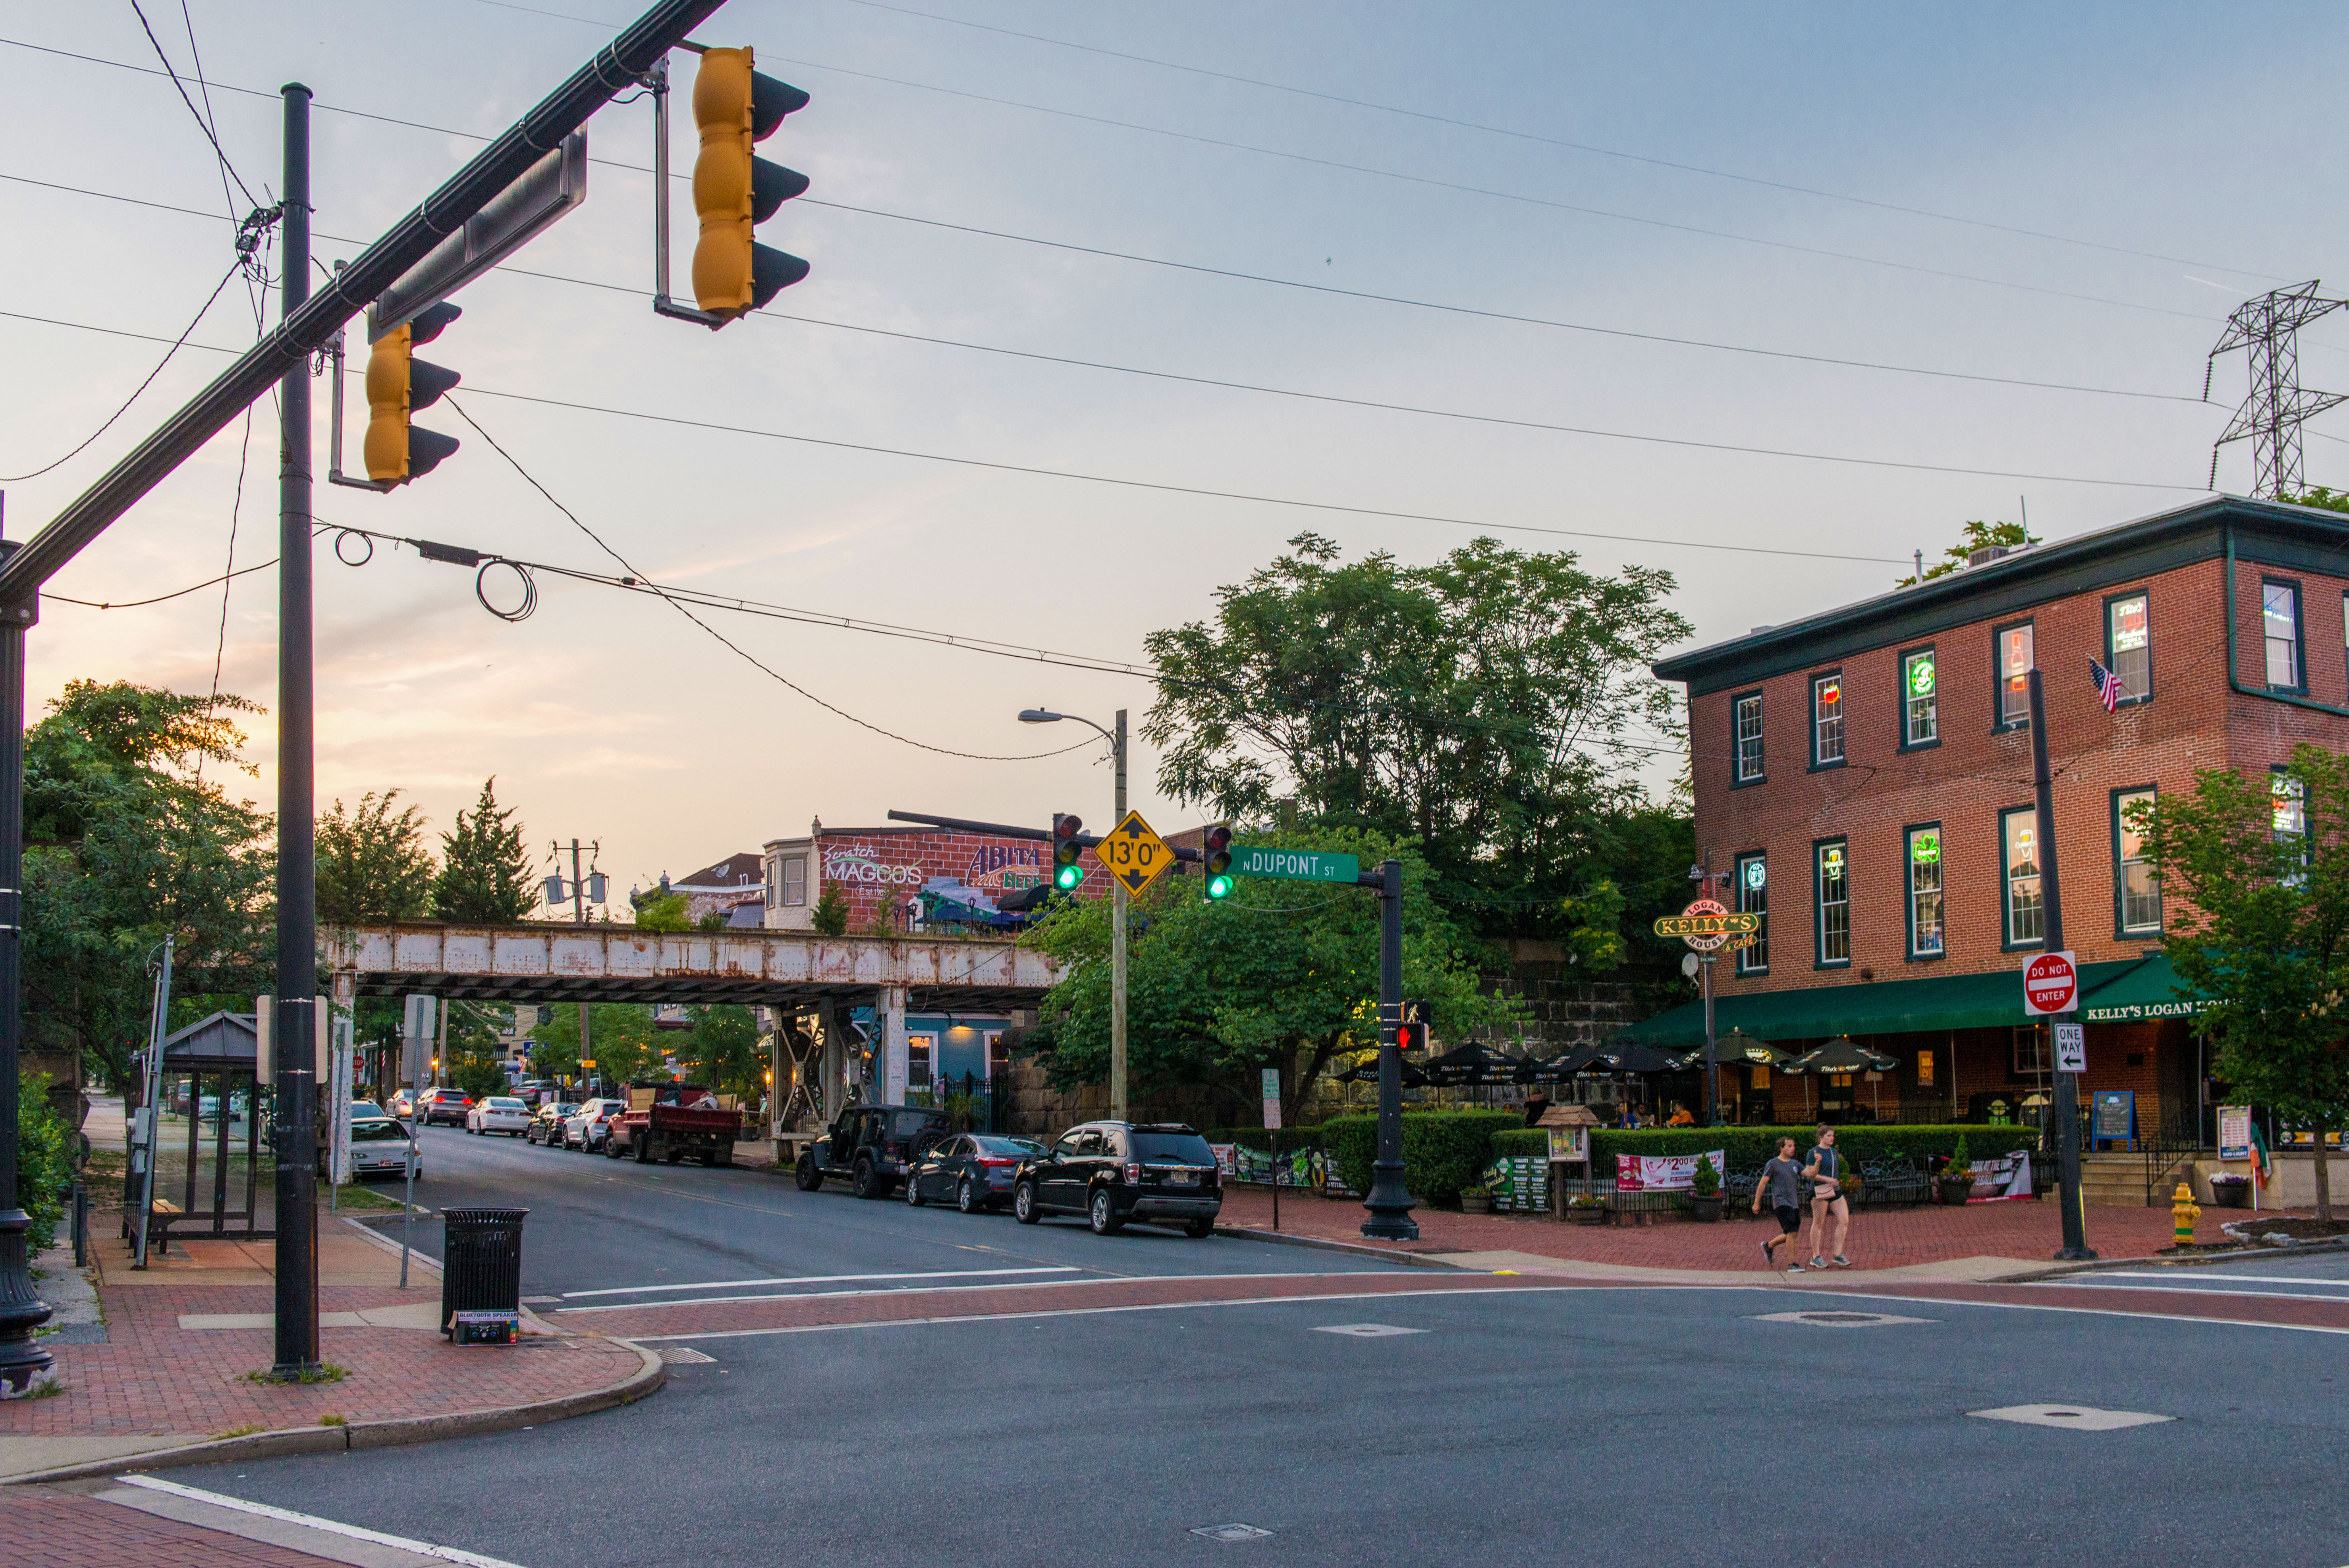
{"x": 1553, "y": 1428}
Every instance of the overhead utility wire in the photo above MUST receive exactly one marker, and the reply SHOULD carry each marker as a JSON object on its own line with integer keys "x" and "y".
{"x": 1273, "y": 153}
{"x": 1512, "y": 318}
{"x": 202, "y": 124}
{"x": 1298, "y": 502}
{"x": 737, "y": 648}
{"x": 1489, "y": 129}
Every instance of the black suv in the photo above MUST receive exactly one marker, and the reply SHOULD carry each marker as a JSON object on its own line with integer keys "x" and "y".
{"x": 872, "y": 1146}
{"x": 1112, "y": 1172}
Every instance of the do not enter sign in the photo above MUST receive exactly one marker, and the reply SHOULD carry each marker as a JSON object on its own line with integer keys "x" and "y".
{"x": 2050, "y": 983}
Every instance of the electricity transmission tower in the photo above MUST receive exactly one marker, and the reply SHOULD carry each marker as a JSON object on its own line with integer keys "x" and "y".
{"x": 2272, "y": 411}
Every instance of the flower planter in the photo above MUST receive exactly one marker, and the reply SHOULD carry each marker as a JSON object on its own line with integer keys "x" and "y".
{"x": 1954, "y": 1192}
{"x": 1475, "y": 1203}
{"x": 1595, "y": 1214}
{"x": 1705, "y": 1206}
{"x": 2226, "y": 1195}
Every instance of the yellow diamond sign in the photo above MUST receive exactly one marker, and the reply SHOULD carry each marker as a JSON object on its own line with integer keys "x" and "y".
{"x": 1133, "y": 853}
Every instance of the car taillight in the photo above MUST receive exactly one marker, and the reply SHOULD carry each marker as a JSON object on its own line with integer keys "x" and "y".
{"x": 995, "y": 1160}
{"x": 889, "y": 1148}
{"x": 1134, "y": 1174}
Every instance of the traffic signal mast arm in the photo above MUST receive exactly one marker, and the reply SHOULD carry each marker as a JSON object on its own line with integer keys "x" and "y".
{"x": 1005, "y": 830}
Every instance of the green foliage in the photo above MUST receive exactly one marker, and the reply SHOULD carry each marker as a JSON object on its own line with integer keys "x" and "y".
{"x": 724, "y": 1052}
{"x": 714, "y": 921}
{"x": 1705, "y": 1181}
{"x": 478, "y": 1076}
{"x": 1279, "y": 974}
{"x": 662, "y": 911}
{"x": 830, "y": 916}
{"x": 2257, "y": 920}
{"x": 1443, "y": 1150}
{"x": 1496, "y": 706}
{"x": 45, "y": 1159}
{"x": 1961, "y": 1161}
{"x": 372, "y": 864}
{"x": 126, "y": 841}
{"x": 485, "y": 876}
{"x": 2331, "y": 500}
{"x": 621, "y": 1041}
{"x": 1978, "y": 535}
{"x": 1750, "y": 1148}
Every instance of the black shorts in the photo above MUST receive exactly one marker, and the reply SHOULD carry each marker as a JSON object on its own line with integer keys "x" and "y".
{"x": 1790, "y": 1220}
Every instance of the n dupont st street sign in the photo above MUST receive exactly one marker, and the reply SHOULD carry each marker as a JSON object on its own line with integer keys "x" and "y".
{"x": 1297, "y": 865}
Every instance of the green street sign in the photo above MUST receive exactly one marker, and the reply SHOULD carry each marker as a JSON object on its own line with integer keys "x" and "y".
{"x": 1298, "y": 865}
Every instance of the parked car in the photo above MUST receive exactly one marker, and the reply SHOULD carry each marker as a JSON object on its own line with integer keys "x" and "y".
{"x": 1113, "y": 1172}
{"x": 973, "y": 1170}
{"x": 365, "y": 1107}
{"x": 378, "y": 1147}
{"x": 872, "y": 1146}
{"x": 444, "y": 1105}
{"x": 585, "y": 1128}
{"x": 498, "y": 1113}
{"x": 546, "y": 1127}
{"x": 403, "y": 1104}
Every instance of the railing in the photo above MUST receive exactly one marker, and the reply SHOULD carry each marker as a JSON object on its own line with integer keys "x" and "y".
{"x": 2177, "y": 1138}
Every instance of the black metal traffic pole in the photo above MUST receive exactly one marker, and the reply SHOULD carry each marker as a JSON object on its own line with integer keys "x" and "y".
{"x": 21, "y": 1308}
{"x": 1389, "y": 1201}
{"x": 294, "y": 1133}
{"x": 2051, "y": 906}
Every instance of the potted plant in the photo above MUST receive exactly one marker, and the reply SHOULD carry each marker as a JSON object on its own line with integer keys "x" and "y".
{"x": 1955, "y": 1180}
{"x": 1705, "y": 1191}
{"x": 1475, "y": 1201}
{"x": 2230, "y": 1190}
{"x": 1586, "y": 1209}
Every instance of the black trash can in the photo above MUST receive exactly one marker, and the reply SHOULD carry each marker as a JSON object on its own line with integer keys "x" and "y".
{"x": 480, "y": 1262}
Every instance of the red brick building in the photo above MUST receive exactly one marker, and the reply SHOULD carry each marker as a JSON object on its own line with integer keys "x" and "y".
{"x": 1864, "y": 778}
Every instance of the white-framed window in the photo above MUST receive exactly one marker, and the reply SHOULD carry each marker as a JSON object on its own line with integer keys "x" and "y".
{"x": 919, "y": 1053}
{"x": 1833, "y": 883}
{"x": 1920, "y": 712}
{"x": 793, "y": 878}
{"x": 2014, "y": 665}
{"x": 1754, "y": 898}
{"x": 2139, "y": 889}
{"x": 2018, "y": 836}
{"x": 1748, "y": 725}
{"x": 1928, "y": 936}
{"x": 1827, "y": 719}
{"x": 2280, "y": 620}
{"x": 2128, "y": 636}
{"x": 2288, "y": 802}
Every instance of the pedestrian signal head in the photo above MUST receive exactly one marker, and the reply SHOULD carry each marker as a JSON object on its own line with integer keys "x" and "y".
{"x": 398, "y": 384}
{"x": 734, "y": 107}
{"x": 1216, "y": 854}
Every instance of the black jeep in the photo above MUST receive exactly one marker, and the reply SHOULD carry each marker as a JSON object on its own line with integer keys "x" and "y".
{"x": 873, "y": 1147}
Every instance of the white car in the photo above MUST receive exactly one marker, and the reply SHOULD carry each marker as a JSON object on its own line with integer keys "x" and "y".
{"x": 586, "y": 1130}
{"x": 498, "y": 1113}
{"x": 379, "y": 1148}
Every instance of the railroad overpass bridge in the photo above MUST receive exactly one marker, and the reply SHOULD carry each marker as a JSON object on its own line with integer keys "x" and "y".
{"x": 810, "y": 981}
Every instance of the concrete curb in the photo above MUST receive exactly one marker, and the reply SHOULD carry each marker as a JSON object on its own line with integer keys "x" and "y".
{"x": 2199, "y": 1260}
{"x": 1286, "y": 1239}
{"x": 650, "y": 1375}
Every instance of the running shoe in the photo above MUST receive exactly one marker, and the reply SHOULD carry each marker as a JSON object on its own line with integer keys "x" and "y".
{"x": 1766, "y": 1259}
{"x": 1794, "y": 1268}
{"x": 1818, "y": 1262}
{"x": 1842, "y": 1262}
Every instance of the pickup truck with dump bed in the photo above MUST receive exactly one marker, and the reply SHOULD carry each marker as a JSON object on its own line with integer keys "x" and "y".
{"x": 670, "y": 1121}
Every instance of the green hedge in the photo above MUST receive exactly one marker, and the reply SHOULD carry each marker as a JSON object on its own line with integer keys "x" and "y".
{"x": 1256, "y": 1138}
{"x": 45, "y": 1155}
{"x": 1443, "y": 1150}
{"x": 1749, "y": 1148}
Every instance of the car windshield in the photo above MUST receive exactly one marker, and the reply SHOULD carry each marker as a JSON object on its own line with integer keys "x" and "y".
{"x": 1008, "y": 1146}
{"x": 370, "y": 1131}
{"x": 1187, "y": 1147}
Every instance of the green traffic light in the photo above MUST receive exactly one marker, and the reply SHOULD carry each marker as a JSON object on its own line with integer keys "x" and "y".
{"x": 1066, "y": 878}
{"x": 1219, "y": 887}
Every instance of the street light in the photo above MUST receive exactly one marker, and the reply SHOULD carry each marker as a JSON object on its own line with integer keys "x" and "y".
{"x": 1117, "y": 907}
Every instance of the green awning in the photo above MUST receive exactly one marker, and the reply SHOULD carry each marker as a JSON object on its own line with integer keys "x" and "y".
{"x": 2127, "y": 991}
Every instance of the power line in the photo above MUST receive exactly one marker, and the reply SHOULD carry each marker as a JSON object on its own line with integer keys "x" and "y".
{"x": 202, "y": 124}
{"x": 1492, "y": 130}
{"x": 740, "y": 652}
{"x": 1276, "y": 152}
{"x": 1510, "y": 317}
{"x": 234, "y": 267}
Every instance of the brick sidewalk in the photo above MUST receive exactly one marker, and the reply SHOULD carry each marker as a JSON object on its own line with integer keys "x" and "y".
{"x": 1880, "y": 1238}
{"x": 49, "y": 1529}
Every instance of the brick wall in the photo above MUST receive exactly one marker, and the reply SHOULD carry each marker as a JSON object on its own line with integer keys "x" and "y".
{"x": 879, "y": 867}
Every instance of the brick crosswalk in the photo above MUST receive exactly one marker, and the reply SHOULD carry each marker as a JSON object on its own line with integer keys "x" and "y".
{"x": 48, "y": 1528}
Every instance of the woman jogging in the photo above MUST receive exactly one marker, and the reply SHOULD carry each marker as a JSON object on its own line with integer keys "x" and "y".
{"x": 1781, "y": 1186}
{"x": 1824, "y": 1170}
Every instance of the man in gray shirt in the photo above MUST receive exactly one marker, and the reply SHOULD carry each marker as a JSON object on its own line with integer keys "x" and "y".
{"x": 1781, "y": 1186}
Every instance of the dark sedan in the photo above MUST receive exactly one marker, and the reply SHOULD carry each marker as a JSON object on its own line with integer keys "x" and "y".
{"x": 546, "y": 1127}
{"x": 972, "y": 1169}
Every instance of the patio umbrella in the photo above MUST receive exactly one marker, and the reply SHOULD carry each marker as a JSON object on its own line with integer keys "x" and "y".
{"x": 1638, "y": 1057}
{"x": 1564, "y": 1066}
{"x": 1739, "y": 1047}
{"x": 1368, "y": 1072}
{"x": 1841, "y": 1054}
{"x": 1475, "y": 1065}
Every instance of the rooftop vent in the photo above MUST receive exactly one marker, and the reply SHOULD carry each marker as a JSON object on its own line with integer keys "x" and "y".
{"x": 1987, "y": 552}
{"x": 1757, "y": 631}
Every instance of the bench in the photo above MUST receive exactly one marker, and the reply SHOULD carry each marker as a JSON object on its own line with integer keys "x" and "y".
{"x": 1891, "y": 1182}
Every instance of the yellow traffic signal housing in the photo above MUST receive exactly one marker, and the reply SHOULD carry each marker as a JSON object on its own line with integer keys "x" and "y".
{"x": 735, "y": 107}
{"x": 398, "y": 384}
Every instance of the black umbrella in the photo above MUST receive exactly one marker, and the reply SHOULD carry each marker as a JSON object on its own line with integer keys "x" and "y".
{"x": 1475, "y": 1065}
{"x": 1638, "y": 1056}
{"x": 1564, "y": 1066}
{"x": 1841, "y": 1054}
{"x": 1368, "y": 1072}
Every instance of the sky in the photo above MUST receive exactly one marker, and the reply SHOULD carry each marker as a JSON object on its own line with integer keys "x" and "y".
{"x": 1539, "y": 194}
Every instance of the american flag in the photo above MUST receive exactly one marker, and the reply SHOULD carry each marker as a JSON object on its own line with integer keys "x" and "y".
{"x": 2108, "y": 685}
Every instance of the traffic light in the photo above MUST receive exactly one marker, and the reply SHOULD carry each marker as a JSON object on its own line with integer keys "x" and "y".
{"x": 1066, "y": 852}
{"x": 399, "y": 384}
{"x": 1410, "y": 1036}
{"x": 734, "y": 106}
{"x": 1215, "y": 855}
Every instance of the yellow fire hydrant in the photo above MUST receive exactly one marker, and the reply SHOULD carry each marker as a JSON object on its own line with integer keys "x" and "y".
{"x": 2185, "y": 1211}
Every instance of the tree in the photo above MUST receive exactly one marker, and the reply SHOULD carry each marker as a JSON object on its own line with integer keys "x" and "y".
{"x": 724, "y": 1051}
{"x": 1978, "y": 535}
{"x": 661, "y": 911}
{"x": 371, "y": 864}
{"x": 2255, "y": 881}
{"x": 1494, "y": 707}
{"x": 624, "y": 1045}
{"x": 126, "y": 842}
{"x": 829, "y": 917}
{"x": 485, "y": 877}
{"x": 1280, "y": 974}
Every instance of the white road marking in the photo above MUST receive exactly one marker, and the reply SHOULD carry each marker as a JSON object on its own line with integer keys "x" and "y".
{"x": 311, "y": 1521}
{"x": 853, "y": 1295}
{"x": 806, "y": 1279}
{"x": 2237, "y": 1294}
{"x": 1366, "y": 1330}
{"x": 2174, "y": 1274}
{"x": 2076, "y": 1417}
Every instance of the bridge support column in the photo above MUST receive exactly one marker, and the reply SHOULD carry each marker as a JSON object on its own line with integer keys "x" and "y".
{"x": 889, "y": 1080}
